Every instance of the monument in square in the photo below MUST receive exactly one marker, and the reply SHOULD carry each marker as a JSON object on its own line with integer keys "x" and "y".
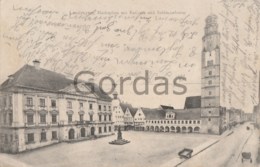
{"x": 119, "y": 140}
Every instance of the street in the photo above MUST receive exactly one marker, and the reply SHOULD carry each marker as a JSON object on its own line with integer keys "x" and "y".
{"x": 227, "y": 152}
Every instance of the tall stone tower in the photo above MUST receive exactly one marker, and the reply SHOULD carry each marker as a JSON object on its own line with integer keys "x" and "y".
{"x": 210, "y": 78}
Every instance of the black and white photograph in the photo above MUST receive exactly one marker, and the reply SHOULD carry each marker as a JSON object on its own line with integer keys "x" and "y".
{"x": 130, "y": 83}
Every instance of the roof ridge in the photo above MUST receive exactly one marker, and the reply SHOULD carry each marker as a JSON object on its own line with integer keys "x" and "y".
{"x": 16, "y": 75}
{"x": 47, "y": 70}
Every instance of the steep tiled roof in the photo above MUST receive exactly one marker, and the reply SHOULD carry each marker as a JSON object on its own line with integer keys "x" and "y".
{"x": 133, "y": 111}
{"x": 166, "y": 107}
{"x": 153, "y": 114}
{"x": 124, "y": 106}
{"x": 188, "y": 114}
{"x": 99, "y": 92}
{"x": 30, "y": 77}
{"x": 192, "y": 102}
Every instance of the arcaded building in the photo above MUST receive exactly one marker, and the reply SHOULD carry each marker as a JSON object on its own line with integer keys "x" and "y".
{"x": 39, "y": 107}
{"x": 208, "y": 111}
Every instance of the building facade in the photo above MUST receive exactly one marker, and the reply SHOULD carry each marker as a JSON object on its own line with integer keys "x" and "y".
{"x": 129, "y": 117}
{"x": 173, "y": 120}
{"x": 139, "y": 119}
{"x": 118, "y": 113}
{"x": 211, "y": 109}
{"x": 40, "y": 107}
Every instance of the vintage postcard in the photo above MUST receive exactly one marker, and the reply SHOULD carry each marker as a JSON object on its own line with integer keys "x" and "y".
{"x": 129, "y": 83}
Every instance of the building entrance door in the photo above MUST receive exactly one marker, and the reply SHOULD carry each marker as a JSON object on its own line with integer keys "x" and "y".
{"x": 82, "y": 132}
{"x": 92, "y": 131}
{"x": 71, "y": 134}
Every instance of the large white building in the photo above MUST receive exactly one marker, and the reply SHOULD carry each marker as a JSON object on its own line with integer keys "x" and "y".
{"x": 39, "y": 107}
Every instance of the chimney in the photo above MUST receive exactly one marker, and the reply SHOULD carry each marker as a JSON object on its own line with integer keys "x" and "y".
{"x": 36, "y": 64}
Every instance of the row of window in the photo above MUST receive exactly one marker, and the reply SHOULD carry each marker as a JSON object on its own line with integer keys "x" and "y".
{"x": 30, "y": 118}
{"x": 175, "y": 121}
{"x": 170, "y": 115}
{"x": 81, "y": 105}
{"x": 105, "y": 117}
{"x": 105, "y": 129}
{"x": 30, "y": 137}
{"x": 42, "y": 102}
{"x": 104, "y": 108}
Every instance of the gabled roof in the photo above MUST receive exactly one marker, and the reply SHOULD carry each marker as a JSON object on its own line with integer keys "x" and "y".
{"x": 132, "y": 110}
{"x": 153, "y": 114}
{"x": 166, "y": 107}
{"x": 41, "y": 79}
{"x": 192, "y": 102}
